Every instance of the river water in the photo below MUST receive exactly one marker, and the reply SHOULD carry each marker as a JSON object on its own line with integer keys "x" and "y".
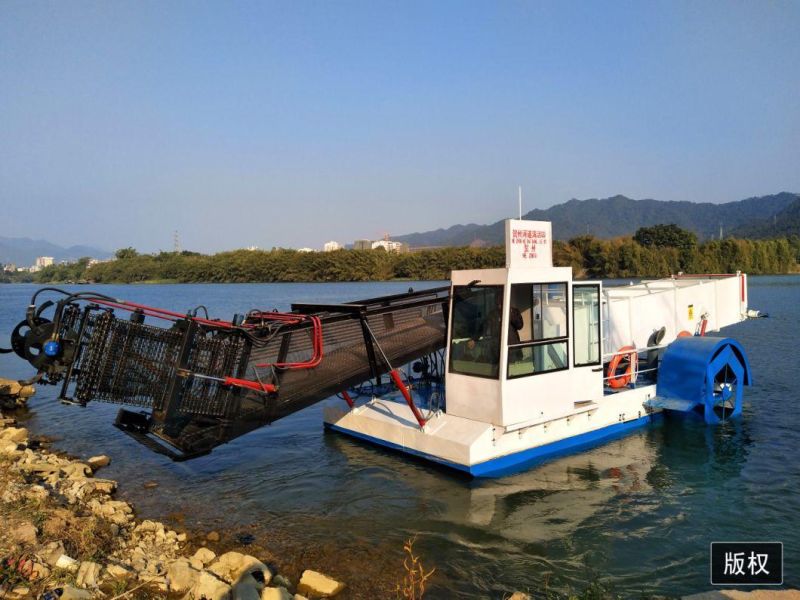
{"x": 638, "y": 512}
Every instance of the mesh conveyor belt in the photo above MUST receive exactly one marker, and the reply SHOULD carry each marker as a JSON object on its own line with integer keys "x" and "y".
{"x": 194, "y": 377}
{"x": 345, "y": 363}
{"x": 348, "y": 365}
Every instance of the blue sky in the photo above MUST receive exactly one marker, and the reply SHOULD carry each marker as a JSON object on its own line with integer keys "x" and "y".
{"x": 292, "y": 123}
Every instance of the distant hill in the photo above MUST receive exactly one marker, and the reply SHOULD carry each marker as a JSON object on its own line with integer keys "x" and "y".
{"x": 23, "y": 251}
{"x": 784, "y": 223}
{"x": 619, "y": 215}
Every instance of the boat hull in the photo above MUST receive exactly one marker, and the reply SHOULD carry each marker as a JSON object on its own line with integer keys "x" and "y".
{"x": 483, "y": 450}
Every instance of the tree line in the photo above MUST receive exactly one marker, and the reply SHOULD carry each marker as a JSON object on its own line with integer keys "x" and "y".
{"x": 656, "y": 251}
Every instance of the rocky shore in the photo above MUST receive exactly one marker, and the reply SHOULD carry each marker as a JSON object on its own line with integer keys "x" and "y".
{"x": 64, "y": 535}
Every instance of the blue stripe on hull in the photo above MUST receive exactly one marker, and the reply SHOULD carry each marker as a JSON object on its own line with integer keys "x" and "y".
{"x": 512, "y": 463}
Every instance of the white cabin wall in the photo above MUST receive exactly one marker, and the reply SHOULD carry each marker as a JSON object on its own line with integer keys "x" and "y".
{"x": 537, "y": 397}
{"x": 635, "y": 312}
{"x": 476, "y": 398}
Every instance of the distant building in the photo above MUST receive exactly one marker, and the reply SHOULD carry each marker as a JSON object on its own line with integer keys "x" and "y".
{"x": 306, "y": 250}
{"x": 331, "y": 246}
{"x": 43, "y": 261}
{"x": 252, "y": 248}
{"x": 10, "y": 268}
{"x": 385, "y": 243}
{"x": 390, "y": 246}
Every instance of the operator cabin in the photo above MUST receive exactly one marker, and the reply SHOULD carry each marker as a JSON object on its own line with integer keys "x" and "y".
{"x": 509, "y": 326}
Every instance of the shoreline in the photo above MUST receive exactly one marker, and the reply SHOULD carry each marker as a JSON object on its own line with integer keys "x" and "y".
{"x": 65, "y": 530}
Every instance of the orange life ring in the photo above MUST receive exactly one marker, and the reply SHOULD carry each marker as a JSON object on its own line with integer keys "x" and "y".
{"x": 684, "y": 333}
{"x": 618, "y": 381}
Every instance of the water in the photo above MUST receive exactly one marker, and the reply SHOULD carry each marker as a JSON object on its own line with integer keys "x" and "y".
{"x": 639, "y": 511}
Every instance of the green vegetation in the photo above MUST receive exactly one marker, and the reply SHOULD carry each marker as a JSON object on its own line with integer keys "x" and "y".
{"x": 625, "y": 257}
{"x": 655, "y": 251}
{"x": 665, "y": 236}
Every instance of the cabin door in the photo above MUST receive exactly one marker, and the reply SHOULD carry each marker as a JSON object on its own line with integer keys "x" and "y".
{"x": 587, "y": 357}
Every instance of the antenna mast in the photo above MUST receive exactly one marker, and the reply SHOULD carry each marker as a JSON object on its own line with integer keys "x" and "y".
{"x": 519, "y": 189}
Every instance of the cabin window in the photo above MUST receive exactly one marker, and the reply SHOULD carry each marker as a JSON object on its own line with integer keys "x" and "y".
{"x": 475, "y": 340}
{"x": 537, "y": 329}
{"x": 586, "y": 324}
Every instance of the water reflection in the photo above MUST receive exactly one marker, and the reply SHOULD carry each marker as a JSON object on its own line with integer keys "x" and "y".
{"x": 541, "y": 504}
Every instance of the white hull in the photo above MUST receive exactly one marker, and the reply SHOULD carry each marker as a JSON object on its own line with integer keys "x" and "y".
{"x": 482, "y": 449}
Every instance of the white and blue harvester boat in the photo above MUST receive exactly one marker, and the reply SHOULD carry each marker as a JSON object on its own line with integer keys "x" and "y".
{"x": 538, "y": 364}
{"x": 509, "y": 366}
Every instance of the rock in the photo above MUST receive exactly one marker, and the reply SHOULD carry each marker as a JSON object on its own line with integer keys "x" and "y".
{"x": 98, "y": 462}
{"x": 519, "y": 596}
{"x": 213, "y": 537}
{"x": 146, "y": 525}
{"x": 181, "y": 576}
{"x": 14, "y": 434}
{"x": 102, "y": 486}
{"x": 299, "y": 597}
{"x": 88, "y": 575}
{"x": 204, "y": 555}
{"x": 76, "y": 470}
{"x": 150, "y": 485}
{"x": 154, "y": 567}
{"x": 42, "y": 469}
{"x": 13, "y": 493}
{"x": 52, "y": 552}
{"x": 315, "y": 585}
{"x": 9, "y": 387}
{"x": 19, "y": 591}
{"x": 181, "y": 537}
{"x": 275, "y": 593}
{"x": 70, "y": 592}
{"x": 119, "y": 571}
{"x": 246, "y": 590}
{"x": 138, "y": 562}
{"x": 25, "y": 534}
{"x": 196, "y": 563}
{"x": 39, "y": 571}
{"x": 119, "y": 518}
{"x": 282, "y": 581}
{"x": 7, "y": 447}
{"x": 231, "y": 566}
{"x": 211, "y": 588}
{"x": 67, "y": 563}
{"x": 35, "y": 492}
{"x": 160, "y": 583}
